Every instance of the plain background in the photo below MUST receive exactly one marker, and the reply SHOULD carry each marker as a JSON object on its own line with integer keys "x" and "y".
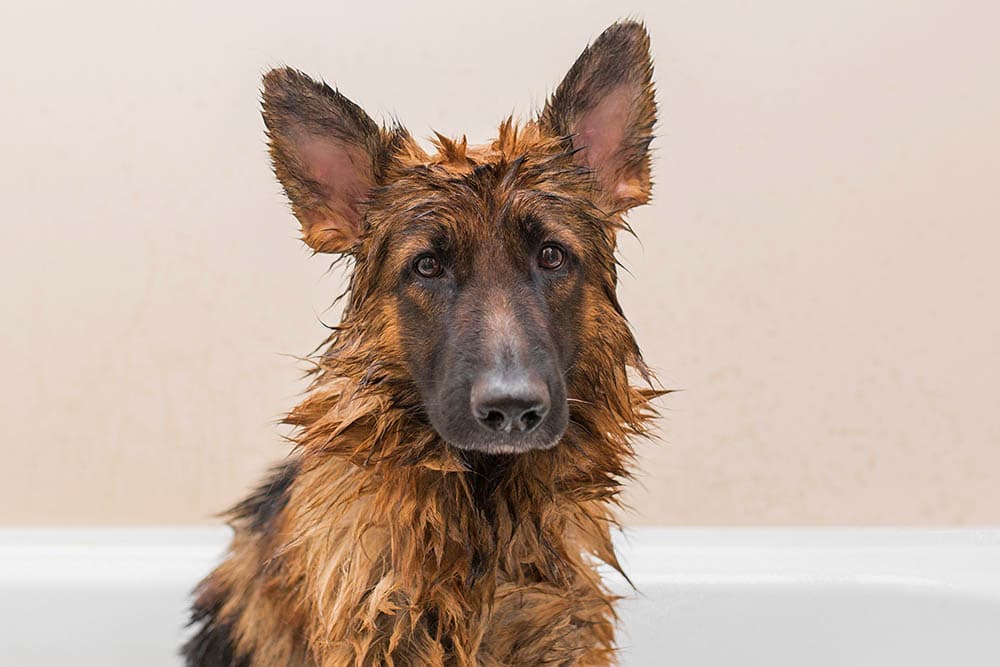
{"x": 818, "y": 272}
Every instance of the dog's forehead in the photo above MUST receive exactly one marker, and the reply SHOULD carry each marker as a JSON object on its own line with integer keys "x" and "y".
{"x": 480, "y": 203}
{"x": 523, "y": 185}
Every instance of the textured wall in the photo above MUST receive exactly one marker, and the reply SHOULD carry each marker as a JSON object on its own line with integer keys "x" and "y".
{"x": 818, "y": 273}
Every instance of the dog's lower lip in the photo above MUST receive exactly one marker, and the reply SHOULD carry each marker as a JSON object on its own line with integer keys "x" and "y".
{"x": 505, "y": 447}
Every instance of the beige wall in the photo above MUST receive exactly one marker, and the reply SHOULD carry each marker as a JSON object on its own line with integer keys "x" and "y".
{"x": 819, "y": 272}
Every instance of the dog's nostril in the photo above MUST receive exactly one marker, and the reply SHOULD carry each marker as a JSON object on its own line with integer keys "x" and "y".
{"x": 495, "y": 420}
{"x": 530, "y": 419}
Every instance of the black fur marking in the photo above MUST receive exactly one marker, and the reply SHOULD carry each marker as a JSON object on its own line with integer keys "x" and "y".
{"x": 486, "y": 474}
{"x": 212, "y": 643}
{"x": 258, "y": 509}
{"x": 212, "y": 646}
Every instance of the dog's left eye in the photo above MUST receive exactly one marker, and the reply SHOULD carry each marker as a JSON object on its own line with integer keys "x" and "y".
{"x": 551, "y": 257}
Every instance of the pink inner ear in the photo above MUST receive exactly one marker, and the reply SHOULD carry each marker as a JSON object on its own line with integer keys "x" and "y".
{"x": 345, "y": 172}
{"x": 600, "y": 131}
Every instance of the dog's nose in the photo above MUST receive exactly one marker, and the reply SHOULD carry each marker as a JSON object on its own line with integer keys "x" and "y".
{"x": 510, "y": 404}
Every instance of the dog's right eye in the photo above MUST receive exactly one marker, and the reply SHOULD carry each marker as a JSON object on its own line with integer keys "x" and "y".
{"x": 427, "y": 266}
{"x": 551, "y": 257}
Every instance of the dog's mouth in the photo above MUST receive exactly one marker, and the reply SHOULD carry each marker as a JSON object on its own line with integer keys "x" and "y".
{"x": 505, "y": 446}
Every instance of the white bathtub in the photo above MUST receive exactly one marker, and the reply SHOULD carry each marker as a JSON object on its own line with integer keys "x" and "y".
{"x": 715, "y": 598}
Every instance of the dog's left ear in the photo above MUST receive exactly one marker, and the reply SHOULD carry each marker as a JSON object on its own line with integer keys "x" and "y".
{"x": 605, "y": 105}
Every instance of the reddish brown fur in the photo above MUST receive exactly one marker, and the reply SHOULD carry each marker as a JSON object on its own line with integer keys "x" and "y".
{"x": 381, "y": 545}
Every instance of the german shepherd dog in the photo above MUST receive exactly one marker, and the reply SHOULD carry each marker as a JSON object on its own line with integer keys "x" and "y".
{"x": 460, "y": 451}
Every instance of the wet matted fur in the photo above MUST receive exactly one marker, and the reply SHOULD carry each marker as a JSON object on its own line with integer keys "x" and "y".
{"x": 380, "y": 541}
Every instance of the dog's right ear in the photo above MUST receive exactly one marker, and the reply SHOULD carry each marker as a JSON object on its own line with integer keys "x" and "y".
{"x": 327, "y": 153}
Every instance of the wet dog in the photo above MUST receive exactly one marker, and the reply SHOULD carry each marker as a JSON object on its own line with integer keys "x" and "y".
{"x": 467, "y": 431}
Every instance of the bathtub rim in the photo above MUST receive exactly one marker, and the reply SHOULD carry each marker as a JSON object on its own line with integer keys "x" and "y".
{"x": 963, "y": 559}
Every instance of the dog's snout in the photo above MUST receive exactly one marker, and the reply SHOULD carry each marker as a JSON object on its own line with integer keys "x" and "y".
{"x": 505, "y": 404}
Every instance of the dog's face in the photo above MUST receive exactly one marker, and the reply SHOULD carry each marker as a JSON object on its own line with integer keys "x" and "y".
{"x": 489, "y": 267}
{"x": 488, "y": 277}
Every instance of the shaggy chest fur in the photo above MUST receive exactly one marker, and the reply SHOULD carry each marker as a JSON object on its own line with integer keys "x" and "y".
{"x": 456, "y": 559}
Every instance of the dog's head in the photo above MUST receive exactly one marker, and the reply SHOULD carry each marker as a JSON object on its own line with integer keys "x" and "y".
{"x": 489, "y": 269}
